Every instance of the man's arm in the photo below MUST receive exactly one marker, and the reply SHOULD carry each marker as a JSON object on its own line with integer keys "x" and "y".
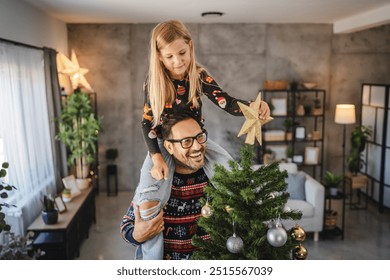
{"x": 134, "y": 230}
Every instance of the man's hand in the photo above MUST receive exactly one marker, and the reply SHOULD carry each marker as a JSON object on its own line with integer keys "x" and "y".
{"x": 145, "y": 230}
{"x": 160, "y": 169}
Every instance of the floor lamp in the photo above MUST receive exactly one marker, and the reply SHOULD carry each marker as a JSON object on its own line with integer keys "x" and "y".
{"x": 345, "y": 114}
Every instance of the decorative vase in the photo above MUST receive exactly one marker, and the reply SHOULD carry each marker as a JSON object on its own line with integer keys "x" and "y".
{"x": 50, "y": 218}
{"x": 300, "y": 110}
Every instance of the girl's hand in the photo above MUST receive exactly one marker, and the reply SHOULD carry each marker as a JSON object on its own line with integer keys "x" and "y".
{"x": 160, "y": 169}
{"x": 264, "y": 111}
{"x": 145, "y": 230}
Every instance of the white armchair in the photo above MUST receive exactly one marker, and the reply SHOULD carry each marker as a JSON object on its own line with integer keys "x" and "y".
{"x": 312, "y": 207}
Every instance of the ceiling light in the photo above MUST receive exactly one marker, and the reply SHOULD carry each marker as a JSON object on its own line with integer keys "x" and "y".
{"x": 212, "y": 14}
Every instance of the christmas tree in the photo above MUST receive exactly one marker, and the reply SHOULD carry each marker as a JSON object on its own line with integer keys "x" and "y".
{"x": 243, "y": 212}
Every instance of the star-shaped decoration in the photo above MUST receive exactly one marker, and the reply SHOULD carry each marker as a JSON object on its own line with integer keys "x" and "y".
{"x": 253, "y": 123}
{"x": 74, "y": 71}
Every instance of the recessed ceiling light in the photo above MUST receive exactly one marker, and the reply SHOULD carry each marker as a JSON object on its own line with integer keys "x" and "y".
{"x": 212, "y": 14}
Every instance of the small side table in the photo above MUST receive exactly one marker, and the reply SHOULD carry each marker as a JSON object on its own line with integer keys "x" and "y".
{"x": 112, "y": 173}
{"x": 356, "y": 182}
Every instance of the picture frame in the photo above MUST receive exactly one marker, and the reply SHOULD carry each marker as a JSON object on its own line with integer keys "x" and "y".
{"x": 60, "y": 204}
{"x": 298, "y": 159}
{"x": 311, "y": 155}
{"x": 279, "y": 151}
{"x": 71, "y": 184}
{"x": 280, "y": 106}
{"x": 300, "y": 132}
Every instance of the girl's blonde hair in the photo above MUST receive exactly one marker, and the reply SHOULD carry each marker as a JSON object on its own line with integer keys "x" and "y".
{"x": 161, "y": 88}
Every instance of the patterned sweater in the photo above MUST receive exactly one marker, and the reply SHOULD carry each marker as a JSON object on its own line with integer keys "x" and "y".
{"x": 181, "y": 213}
{"x": 209, "y": 88}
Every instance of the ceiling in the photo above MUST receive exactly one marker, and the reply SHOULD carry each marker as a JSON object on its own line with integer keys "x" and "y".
{"x": 345, "y": 15}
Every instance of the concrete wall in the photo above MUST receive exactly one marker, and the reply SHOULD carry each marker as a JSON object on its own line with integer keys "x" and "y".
{"x": 240, "y": 57}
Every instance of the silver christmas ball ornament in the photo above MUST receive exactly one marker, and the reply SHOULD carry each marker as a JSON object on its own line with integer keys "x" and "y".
{"x": 234, "y": 244}
{"x": 277, "y": 236}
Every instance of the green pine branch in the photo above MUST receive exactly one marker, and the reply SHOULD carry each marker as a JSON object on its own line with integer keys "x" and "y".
{"x": 257, "y": 198}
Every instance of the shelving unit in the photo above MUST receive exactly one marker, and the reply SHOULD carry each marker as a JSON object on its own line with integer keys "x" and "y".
{"x": 307, "y": 142}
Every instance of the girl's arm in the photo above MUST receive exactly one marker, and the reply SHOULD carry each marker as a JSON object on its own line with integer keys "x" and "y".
{"x": 224, "y": 101}
{"x": 160, "y": 169}
{"x": 149, "y": 133}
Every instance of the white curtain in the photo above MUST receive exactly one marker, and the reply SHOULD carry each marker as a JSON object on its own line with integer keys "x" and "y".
{"x": 24, "y": 126}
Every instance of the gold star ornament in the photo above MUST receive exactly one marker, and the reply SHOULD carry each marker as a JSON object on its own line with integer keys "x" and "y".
{"x": 253, "y": 123}
{"x": 74, "y": 71}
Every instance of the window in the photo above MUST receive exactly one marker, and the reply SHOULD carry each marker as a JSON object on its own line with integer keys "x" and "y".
{"x": 24, "y": 131}
{"x": 1, "y": 150}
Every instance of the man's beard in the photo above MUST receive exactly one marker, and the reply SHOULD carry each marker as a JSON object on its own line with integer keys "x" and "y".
{"x": 184, "y": 165}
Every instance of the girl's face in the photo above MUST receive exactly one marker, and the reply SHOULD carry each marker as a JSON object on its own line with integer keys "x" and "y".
{"x": 176, "y": 58}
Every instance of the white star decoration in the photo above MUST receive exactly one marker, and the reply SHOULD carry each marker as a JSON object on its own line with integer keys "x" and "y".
{"x": 253, "y": 123}
{"x": 74, "y": 71}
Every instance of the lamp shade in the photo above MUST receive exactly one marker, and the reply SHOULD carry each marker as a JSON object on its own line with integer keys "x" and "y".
{"x": 345, "y": 114}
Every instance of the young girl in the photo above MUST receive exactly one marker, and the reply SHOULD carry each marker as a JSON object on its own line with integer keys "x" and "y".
{"x": 176, "y": 83}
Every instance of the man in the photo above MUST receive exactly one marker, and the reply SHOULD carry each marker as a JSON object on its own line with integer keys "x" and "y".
{"x": 174, "y": 227}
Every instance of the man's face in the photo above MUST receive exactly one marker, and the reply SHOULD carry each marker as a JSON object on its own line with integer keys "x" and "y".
{"x": 186, "y": 160}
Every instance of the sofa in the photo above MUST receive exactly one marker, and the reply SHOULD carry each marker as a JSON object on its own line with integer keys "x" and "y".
{"x": 306, "y": 195}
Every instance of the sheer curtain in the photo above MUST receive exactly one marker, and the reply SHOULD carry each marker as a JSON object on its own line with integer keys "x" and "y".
{"x": 24, "y": 126}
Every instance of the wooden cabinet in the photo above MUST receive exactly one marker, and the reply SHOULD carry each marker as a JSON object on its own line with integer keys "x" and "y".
{"x": 61, "y": 241}
{"x": 297, "y": 131}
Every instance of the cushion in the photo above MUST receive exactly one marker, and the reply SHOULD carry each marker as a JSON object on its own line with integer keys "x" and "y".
{"x": 290, "y": 167}
{"x": 296, "y": 185}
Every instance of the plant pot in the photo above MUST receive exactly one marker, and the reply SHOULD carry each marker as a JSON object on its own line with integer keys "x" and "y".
{"x": 330, "y": 219}
{"x": 333, "y": 191}
{"x": 50, "y": 218}
{"x": 82, "y": 184}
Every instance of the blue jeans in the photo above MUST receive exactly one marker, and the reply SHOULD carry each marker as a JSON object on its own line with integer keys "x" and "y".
{"x": 149, "y": 189}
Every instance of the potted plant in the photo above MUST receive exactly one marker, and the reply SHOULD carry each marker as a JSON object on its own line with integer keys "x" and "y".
{"x": 78, "y": 130}
{"x": 332, "y": 182}
{"x": 4, "y": 189}
{"x": 317, "y": 110}
{"x": 359, "y": 137}
{"x": 49, "y": 212}
{"x": 289, "y": 124}
{"x": 289, "y": 153}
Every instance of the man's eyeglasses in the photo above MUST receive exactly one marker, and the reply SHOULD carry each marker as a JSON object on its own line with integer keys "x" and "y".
{"x": 187, "y": 142}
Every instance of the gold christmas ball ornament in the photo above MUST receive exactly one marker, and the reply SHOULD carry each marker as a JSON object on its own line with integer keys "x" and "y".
{"x": 228, "y": 209}
{"x": 207, "y": 210}
{"x": 297, "y": 233}
{"x": 299, "y": 252}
